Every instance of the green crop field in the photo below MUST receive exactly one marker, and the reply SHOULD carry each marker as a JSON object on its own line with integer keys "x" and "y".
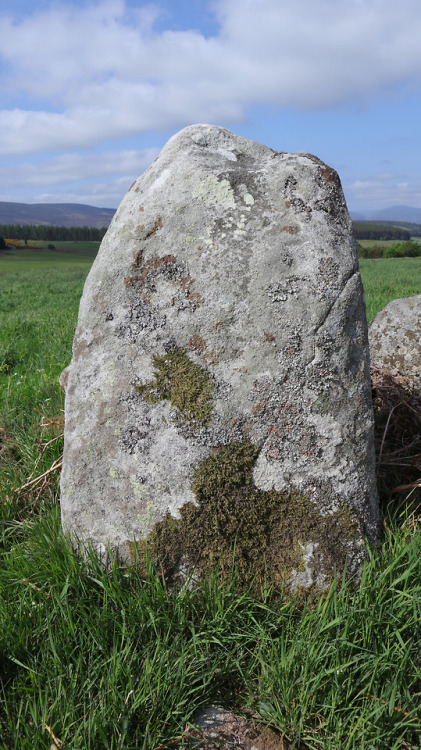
{"x": 96, "y": 658}
{"x": 64, "y": 253}
{"x": 388, "y": 279}
{"x": 383, "y": 243}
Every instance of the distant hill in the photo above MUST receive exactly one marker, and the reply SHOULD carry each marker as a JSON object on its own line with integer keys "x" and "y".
{"x": 400, "y": 213}
{"x": 397, "y": 214}
{"x": 81, "y": 215}
{"x": 57, "y": 214}
{"x": 363, "y": 229}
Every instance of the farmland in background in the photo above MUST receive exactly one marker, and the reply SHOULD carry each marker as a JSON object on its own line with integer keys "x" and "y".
{"x": 93, "y": 658}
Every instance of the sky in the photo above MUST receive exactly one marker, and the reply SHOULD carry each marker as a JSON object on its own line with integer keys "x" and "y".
{"x": 91, "y": 90}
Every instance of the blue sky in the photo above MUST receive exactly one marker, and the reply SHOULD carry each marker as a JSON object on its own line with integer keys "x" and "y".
{"x": 91, "y": 91}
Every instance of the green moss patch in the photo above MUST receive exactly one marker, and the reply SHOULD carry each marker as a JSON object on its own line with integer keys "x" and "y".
{"x": 264, "y": 532}
{"x": 186, "y": 385}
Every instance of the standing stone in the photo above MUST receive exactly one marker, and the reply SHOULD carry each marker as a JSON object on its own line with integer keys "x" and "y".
{"x": 395, "y": 338}
{"x": 219, "y": 392}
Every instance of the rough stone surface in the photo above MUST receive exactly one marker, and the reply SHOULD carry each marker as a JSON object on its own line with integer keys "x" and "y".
{"x": 395, "y": 338}
{"x": 64, "y": 377}
{"x": 238, "y": 260}
{"x": 221, "y": 729}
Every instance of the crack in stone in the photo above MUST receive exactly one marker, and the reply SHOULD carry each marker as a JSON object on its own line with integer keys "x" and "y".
{"x": 331, "y": 306}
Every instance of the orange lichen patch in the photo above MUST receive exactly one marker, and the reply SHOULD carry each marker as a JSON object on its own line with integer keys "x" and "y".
{"x": 146, "y": 266}
{"x": 211, "y": 356}
{"x": 137, "y": 258}
{"x": 197, "y": 343}
{"x": 310, "y": 453}
{"x": 185, "y": 283}
{"x": 145, "y": 273}
{"x": 130, "y": 281}
{"x": 195, "y": 298}
{"x": 216, "y": 325}
{"x": 269, "y": 337}
{"x": 290, "y": 229}
{"x": 167, "y": 259}
{"x": 258, "y": 408}
{"x": 156, "y": 225}
{"x": 329, "y": 175}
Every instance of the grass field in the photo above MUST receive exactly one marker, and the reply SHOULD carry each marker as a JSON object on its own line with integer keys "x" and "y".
{"x": 388, "y": 279}
{"x": 103, "y": 659}
{"x": 384, "y": 243}
{"x": 65, "y": 253}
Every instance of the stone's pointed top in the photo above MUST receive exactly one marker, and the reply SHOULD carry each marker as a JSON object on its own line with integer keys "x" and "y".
{"x": 211, "y": 135}
{"x": 220, "y": 375}
{"x": 199, "y": 139}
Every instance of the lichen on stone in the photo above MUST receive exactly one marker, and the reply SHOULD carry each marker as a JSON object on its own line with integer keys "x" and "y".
{"x": 321, "y": 404}
{"x": 262, "y": 534}
{"x": 187, "y": 386}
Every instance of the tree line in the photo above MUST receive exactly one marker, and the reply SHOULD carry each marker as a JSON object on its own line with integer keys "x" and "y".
{"x": 364, "y": 230}
{"x": 48, "y": 232}
{"x": 408, "y": 249}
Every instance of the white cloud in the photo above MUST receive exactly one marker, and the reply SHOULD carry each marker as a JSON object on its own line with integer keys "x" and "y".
{"x": 77, "y": 167}
{"x": 382, "y": 192}
{"x": 107, "y": 74}
{"x": 104, "y": 194}
{"x": 101, "y": 179}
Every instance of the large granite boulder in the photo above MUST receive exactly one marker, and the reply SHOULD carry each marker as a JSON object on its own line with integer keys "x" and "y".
{"x": 218, "y": 400}
{"x": 395, "y": 338}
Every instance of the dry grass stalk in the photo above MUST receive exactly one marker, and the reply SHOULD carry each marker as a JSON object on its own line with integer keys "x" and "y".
{"x": 57, "y": 464}
{"x": 397, "y": 415}
{"x": 57, "y": 743}
{"x": 42, "y": 482}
